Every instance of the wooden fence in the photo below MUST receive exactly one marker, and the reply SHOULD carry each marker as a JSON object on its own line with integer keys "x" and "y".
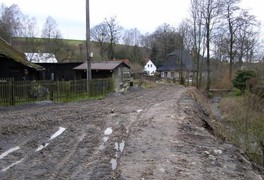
{"x": 21, "y": 92}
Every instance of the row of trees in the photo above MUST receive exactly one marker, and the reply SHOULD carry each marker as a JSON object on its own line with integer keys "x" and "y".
{"x": 13, "y": 23}
{"x": 156, "y": 46}
{"x": 220, "y": 29}
{"x": 107, "y": 35}
{"x": 215, "y": 29}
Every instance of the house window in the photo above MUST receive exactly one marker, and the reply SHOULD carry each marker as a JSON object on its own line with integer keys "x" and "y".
{"x": 172, "y": 74}
{"x": 162, "y": 74}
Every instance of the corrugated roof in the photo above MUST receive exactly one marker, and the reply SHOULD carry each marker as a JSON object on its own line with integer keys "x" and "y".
{"x": 10, "y": 52}
{"x": 106, "y": 65}
{"x": 41, "y": 57}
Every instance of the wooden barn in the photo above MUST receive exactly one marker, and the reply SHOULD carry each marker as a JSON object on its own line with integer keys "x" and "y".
{"x": 118, "y": 70}
{"x": 15, "y": 65}
{"x": 54, "y": 70}
{"x": 60, "y": 71}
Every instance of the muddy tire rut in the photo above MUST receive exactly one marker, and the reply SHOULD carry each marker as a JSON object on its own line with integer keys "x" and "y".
{"x": 157, "y": 133}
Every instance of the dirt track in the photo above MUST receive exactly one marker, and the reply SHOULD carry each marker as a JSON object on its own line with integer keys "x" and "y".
{"x": 159, "y": 133}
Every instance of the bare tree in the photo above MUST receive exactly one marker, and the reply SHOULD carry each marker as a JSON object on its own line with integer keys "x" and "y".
{"x": 10, "y": 22}
{"x": 132, "y": 37}
{"x": 198, "y": 38}
{"x": 113, "y": 33}
{"x": 132, "y": 49}
{"x": 52, "y": 36}
{"x": 107, "y": 34}
{"x": 167, "y": 39}
{"x": 164, "y": 40}
{"x": 50, "y": 29}
{"x": 29, "y": 32}
{"x": 238, "y": 36}
{"x": 211, "y": 10}
{"x": 247, "y": 37}
{"x": 204, "y": 18}
{"x": 233, "y": 24}
{"x": 99, "y": 34}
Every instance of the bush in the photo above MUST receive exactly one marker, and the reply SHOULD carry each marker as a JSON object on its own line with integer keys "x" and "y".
{"x": 38, "y": 91}
{"x": 242, "y": 76}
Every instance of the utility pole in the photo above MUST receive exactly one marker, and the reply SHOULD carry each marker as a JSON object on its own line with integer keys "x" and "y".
{"x": 88, "y": 57}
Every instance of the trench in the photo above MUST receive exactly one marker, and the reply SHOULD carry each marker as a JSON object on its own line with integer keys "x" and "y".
{"x": 246, "y": 142}
{"x": 215, "y": 102}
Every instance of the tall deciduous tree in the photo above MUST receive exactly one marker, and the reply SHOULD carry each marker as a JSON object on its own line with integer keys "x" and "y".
{"x": 13, "y": 23}
{"x": 132, "y": 37}
{"x": 29, "y": 33}
{"x": 164, "y": 40}
{"x": 211, "y": 10}
{"x": 51, "y": 34}
{"x": 107, "y": 33}
{"x": 132, "y": 40}
{"x": 113, "y": 33}
{"x": 198, "y": 35}
{"x": 99, "y": 34}
{"x": 10, "y": 22}
{"x": 247, "y": 37}
{"x": 167, "y": 39}
{"x": 50, "y": 29}
{"x": 238, "y": 36}
{"x": 233, "y": 24}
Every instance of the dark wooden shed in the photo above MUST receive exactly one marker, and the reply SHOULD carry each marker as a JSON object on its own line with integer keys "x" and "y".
{"x": 118, "y": 70}
{"x": 60, "y": 71}
{"x": 13, "y": 64}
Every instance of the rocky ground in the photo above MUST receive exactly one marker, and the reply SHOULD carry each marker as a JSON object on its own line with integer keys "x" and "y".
{"x": 157, "y": 133}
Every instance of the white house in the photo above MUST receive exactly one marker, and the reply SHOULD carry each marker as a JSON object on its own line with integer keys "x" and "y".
{"x": 150, "y": 68}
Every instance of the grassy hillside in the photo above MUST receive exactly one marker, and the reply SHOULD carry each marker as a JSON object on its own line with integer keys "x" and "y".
{"x": 70, "y": 50}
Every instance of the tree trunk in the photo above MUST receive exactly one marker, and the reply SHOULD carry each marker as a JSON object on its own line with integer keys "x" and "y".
{"x": 231, "y": 57}
{"x": 208, "y": 84}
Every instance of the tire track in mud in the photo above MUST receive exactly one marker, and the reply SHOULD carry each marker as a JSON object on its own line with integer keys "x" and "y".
{"x": 48, "y": 123}
{"x": 141, "y": 138}
{"x": 36, "y": 123}
{"x": 77, "y": 153}
{"x": 122, "y": 121}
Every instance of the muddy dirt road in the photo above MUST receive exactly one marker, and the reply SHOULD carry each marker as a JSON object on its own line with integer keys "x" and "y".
{"x": 159, "y": 133}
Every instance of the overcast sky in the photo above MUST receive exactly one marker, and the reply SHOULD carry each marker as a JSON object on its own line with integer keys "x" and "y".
{"x": 145, "y": 15}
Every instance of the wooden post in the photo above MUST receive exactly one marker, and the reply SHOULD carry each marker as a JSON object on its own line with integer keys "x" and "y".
{"x": 11, "y": 92}
{"x": 88, "y": 57}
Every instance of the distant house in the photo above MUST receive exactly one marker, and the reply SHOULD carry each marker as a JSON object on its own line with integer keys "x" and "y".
{"x": 150, "y": 68}
{"x": 13, "y": 64}
{"x": 176, "y": 62}
{"x": 118, "y": 70}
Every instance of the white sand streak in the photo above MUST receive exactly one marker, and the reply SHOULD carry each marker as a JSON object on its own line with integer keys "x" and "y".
{"x": 9, "y": 151}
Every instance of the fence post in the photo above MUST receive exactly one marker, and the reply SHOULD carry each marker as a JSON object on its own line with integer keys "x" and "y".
{"x": 52, "y": 91}
{"x": 11, "y": 92}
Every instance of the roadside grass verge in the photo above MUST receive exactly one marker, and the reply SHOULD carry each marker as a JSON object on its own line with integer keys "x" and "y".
{"x": 243, "y": 124}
